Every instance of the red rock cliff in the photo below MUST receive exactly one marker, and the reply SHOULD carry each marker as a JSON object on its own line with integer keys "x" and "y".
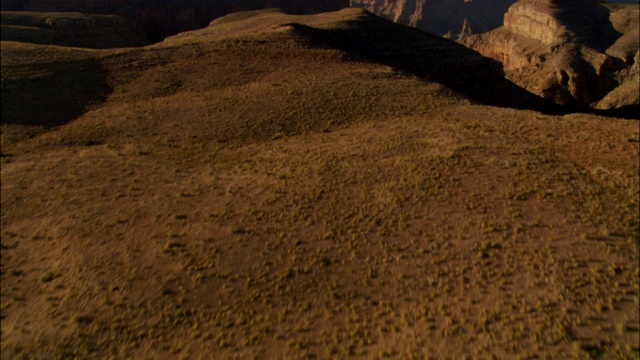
{"x": 441, "y": 17}
{"x": 574, "y": 52}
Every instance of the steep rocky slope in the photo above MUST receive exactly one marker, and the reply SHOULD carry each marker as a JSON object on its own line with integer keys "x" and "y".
{"x": 441, "y": 17}
{"x": 579, "y": 53}
{"x": 449, "y": 18}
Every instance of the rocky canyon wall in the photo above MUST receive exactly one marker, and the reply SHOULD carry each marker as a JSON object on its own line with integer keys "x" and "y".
{"x": 534, "y": 19}
{"x": 441, "y": 17}
{"x": 574, "y": 52}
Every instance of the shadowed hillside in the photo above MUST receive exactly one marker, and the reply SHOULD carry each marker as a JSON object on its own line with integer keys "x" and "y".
{"x": 273, "y": 186}
{"x": 83, "y": 86}
{"x": 157, "y": 19}
{"x": 428, "y": 57}
{"x": 69, "y": 29}
{"x": 52, "y": 94}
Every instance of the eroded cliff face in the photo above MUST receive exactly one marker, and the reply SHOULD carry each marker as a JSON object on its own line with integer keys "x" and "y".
{"x": 574, "y": 52}
{"x": 534, "y": 19}
{"x": 157, "y": 19}
{"x": 407, "y": 12}
{"x": 441, "y": 17}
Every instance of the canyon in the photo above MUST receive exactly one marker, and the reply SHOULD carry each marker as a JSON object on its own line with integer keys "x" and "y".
{"x": 161, "y": 18}
{"x": 576, "y": 53}
{"x": 441, "y": 17}
{"x": 581, "y": 54}
{"x": 158, "y": 19}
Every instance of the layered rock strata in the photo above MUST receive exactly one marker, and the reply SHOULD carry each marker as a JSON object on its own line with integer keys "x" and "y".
{"x": 441, "y": 17}
{"x": 572, "y": 52}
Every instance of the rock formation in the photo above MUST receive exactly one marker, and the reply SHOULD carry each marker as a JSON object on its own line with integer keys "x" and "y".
{"x": 576, "y": 52}
{"x": 441, "y": 17}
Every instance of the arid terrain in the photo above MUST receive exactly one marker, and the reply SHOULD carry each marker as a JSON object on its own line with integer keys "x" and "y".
{"x": 308, "y": 186}
{"x": 157, "y": 19}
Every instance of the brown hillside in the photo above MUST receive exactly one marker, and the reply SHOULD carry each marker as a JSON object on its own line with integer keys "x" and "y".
{"x": 269, "y": 187}
{"x": 157, "y": 19}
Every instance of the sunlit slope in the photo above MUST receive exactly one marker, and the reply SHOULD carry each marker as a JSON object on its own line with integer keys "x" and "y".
{"x": 302, "y": 72}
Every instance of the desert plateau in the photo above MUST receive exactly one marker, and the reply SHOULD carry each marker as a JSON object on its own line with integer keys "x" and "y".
{"x": 267, "y": 180}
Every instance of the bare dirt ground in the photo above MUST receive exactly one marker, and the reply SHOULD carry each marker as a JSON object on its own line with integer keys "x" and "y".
{"x": 246, "y": 194}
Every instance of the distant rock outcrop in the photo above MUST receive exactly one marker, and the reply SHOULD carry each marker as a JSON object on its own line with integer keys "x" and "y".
{"x": 157, "y": 19}
{"x": 69, "y": 29}
{"x": 441, "y": 17}
{"x": 579, "y": 52}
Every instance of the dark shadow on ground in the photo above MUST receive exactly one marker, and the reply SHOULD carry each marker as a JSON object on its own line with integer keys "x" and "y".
{"x": 428, "y": 57}
{"x": 630, "y": 112}
{"x": 51, "y": 94}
